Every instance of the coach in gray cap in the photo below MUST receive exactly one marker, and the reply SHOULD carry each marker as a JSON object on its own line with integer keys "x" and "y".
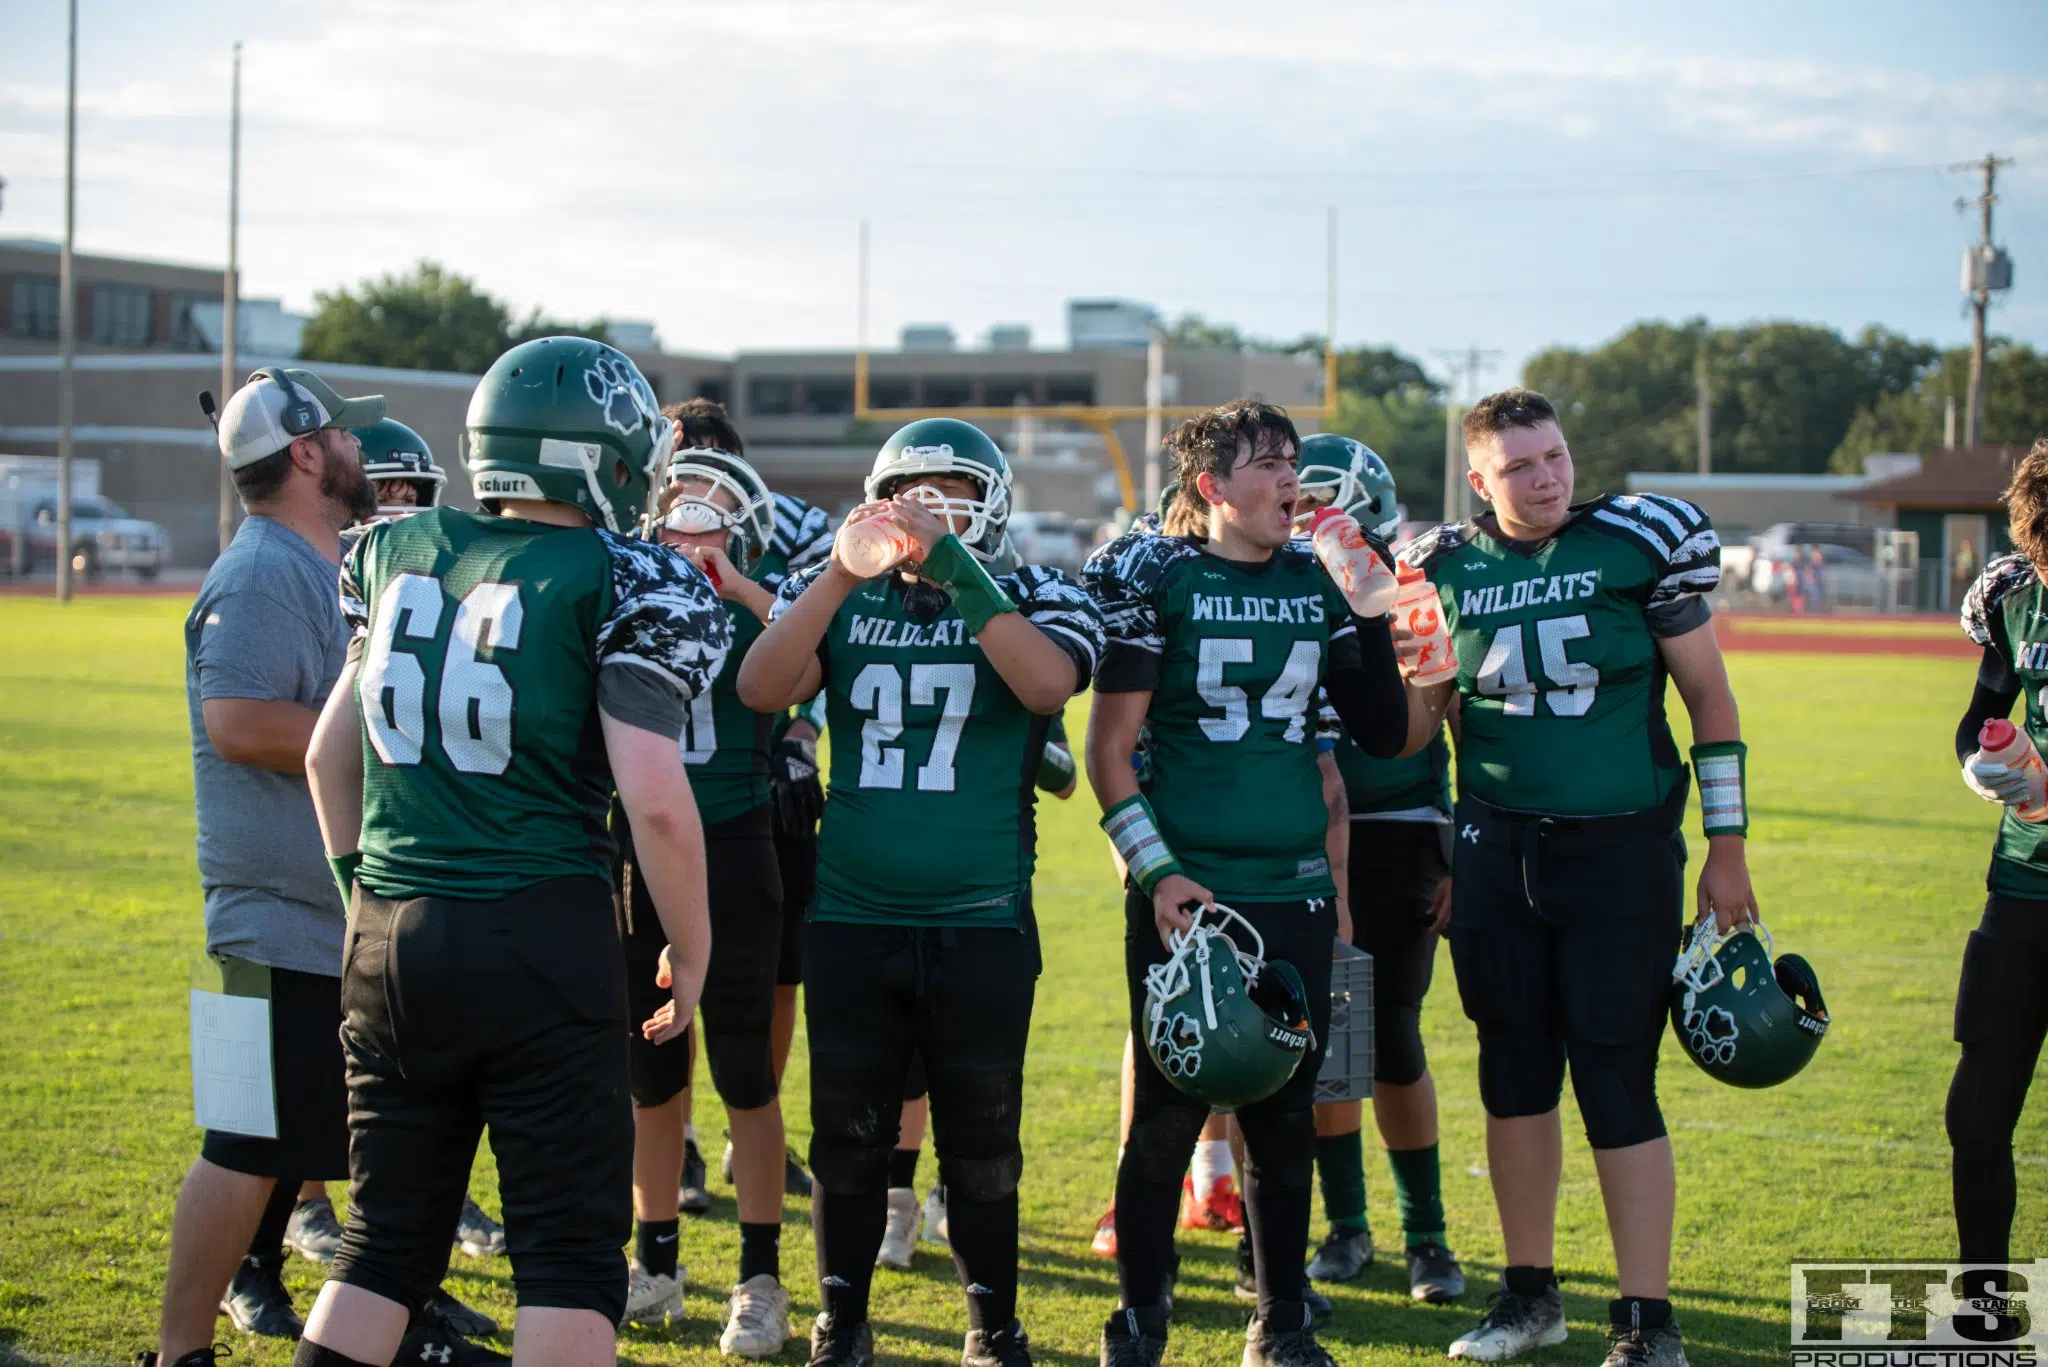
{"x": 263, "y": 646}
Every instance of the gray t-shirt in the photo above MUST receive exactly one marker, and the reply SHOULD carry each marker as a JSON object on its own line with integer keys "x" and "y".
{"x": 267, "y": 625}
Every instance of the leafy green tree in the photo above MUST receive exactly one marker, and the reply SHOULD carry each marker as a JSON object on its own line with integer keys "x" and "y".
{"x": 427, "y": 319}
{"x": 1406, "y": 427}
{"x": 1913, "y": 418}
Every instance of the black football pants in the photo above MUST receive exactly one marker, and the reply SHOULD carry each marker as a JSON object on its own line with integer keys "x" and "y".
{"x": 1279, "y": 1132}
{"x": 2001, "y": 1019}
{"x": 959, "y": 998}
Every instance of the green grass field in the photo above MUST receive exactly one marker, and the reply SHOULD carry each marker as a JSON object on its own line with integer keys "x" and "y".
{"x": 1867, "y": 853}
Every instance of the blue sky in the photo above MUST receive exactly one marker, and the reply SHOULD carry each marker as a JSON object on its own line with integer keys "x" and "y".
{"x": 1506, "y": 176}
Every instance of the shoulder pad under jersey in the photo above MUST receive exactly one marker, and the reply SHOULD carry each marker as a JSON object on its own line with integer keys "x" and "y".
{"x": 2004, "y": 576}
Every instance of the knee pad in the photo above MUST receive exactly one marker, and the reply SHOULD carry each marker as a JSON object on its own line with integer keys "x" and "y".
{"x": 742, "y": 1068}
{"x": 853, "y": 1130}
{"x": 1519, "y": 1077}
{"x": 656, "y": 1072}
{"x": 982, "y": 1179}
{"x": 1617, "y": 1092}
{"x": 1279, "y": 1145}
{"x": 1162, "y": 1140}
{"x": 1398, "y": 1057}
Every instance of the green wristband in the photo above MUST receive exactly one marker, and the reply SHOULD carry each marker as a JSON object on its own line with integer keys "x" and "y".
{"x": 1055, "y": 768}
{"x": 345, "y": 866}
{"x": 1722, "y": 767}
{"x": 978, "y": 597}
{"x": 1134, "y": 832}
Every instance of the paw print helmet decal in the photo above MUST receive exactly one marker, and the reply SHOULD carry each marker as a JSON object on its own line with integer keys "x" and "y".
{"x": 567, "y": 420}
{"x": 1224, "y": 1024}
{"x": 1747, "y": 1021}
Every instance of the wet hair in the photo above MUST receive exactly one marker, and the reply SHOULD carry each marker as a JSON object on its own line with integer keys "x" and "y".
{"x": 1516, "y": 407}
{"x": 1214, "y": 444}
{"x": 2026, "y": 498}
{"x": 704, "y": 422}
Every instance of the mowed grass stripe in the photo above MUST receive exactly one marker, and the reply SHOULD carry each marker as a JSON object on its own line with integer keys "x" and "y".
{"x": 1869, "y": 858}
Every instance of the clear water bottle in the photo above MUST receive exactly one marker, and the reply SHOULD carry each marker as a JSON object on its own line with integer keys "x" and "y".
{"x": 873, "y": 544}
{"x": 1418, "y": 610}
{"x": 1367, "y": 582}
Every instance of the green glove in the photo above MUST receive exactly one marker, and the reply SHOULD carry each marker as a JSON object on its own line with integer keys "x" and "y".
{"x": 978, "y": 597}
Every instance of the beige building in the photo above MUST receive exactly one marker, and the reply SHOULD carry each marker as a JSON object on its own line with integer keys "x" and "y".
{"x": 149, "y": 337}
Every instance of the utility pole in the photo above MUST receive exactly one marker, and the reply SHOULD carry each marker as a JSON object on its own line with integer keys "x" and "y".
{"x": 1468, "y": 363}
{"x": 67, "y": 319}
{"x": 1704, "y": 398}
{"x": 1155, "y": 424}
{"x": 1986, "y": 268}
{"x": 230, "y": 292}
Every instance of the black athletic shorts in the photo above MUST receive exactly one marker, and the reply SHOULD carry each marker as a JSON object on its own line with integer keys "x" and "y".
{"x": 307, "y": 1076}
{"x": 796, "y": 855}
{"x": 511, "y": 1014}
{"x": 1563, "y": 935}
{"x": 1395, "y": 869}
{"x": 745, "y": 892}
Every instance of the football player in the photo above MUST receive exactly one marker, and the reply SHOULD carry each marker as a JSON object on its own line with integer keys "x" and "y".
{"x": 2002, "y": 1001}
{"x": 1569, "y": 866}
{"x": 1216, "y": 646}
{"x": 716, "y": 509}
{"x": 1398, "y": 853}
{"x": 401, "y": 467}
{"x": 941, "y": 681}
{"x": 510, "y": 670}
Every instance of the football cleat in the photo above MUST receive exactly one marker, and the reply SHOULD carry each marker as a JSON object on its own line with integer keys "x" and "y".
{"x": 837, "y": 1345}
{"x": 1246, "y": 1287}
{"x": 695, "y": 1197}
{"x": 651, "y": 1298}
{"x": 257, "y": 1303}
{"x": 1279, "y": 1342}
{"x": 1343, "y": 1255}
{"x": 756, "y": 1318}
{"x": 1659, "y": 1347}
{"x": 1008, "y": 1347}
{"x": 1134, "y": 1338}
{"x": 1434, "y": 1275}
{"x": 1220, "y": 1209}
{"x": 899, "y": 1236}
{"x": 1103, "y": 1245}
{"x": 433, "y": 1339}
{"x": 936, "y": 1230}
{"x": 477, "y": 1234}
{"x": 313, "y": 1232}
{"x": 1513, "y": 1325}
{"x": 463, "y": 1319}
{"x": 795, "y": 1181}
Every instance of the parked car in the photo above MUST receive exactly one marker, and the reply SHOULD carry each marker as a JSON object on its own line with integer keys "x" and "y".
{"x": 103, "y": 538}
{"x": 1847, "y": 576}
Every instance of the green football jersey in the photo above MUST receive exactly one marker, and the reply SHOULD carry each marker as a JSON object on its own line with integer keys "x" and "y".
{"x": 1559, "y": 674}
{"x": 1421, "y": 781}
{"x": 801, "y": 538}
{"x": 930, "y": 812}
{"x": 1232, "y": 654}
{"x": 725, "y": 742}
{"x": 481, "y": 640}
{"x": 2004, "y": 612}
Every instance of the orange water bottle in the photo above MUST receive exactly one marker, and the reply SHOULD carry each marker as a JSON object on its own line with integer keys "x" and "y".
{"x": 874, "y": 544}
{"x": 1367, "y": 584}
{"x": 1417, "y": 610}
{"x": 2000, "y": 742}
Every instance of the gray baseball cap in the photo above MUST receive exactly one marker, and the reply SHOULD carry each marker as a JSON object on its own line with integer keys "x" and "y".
{"x": 253, "y": 426}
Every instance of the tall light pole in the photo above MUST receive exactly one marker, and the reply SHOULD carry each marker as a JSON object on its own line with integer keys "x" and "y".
{"x": 1986, "y": 268}
{"x": 67, "y": 318}
{"x": 230, "y": 290}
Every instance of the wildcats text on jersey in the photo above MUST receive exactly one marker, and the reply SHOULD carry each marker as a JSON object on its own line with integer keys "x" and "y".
{"x": 1301, "y": 610}
{"x": 863, "y": 630}
{"x": 1556, "y": 588}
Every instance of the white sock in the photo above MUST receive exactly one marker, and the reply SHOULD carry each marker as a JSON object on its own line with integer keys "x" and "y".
{"x": 689, "y": 1131}
{"x": 1212, "y": 1160}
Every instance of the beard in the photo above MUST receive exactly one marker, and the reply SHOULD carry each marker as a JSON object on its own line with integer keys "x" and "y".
{"x": 343, "y": 482}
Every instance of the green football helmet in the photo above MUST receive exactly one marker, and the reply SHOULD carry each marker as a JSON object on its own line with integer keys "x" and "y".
{"x": 1225, "y": 1026}
{"x": 391, "y": 450}
{"x": 749, "y": 523}
{"x": 947, "y": 446}
{"x": 567, "y": 420}
{"x": 1346, "y": 473}
{"x": 1746, "y": 1021}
